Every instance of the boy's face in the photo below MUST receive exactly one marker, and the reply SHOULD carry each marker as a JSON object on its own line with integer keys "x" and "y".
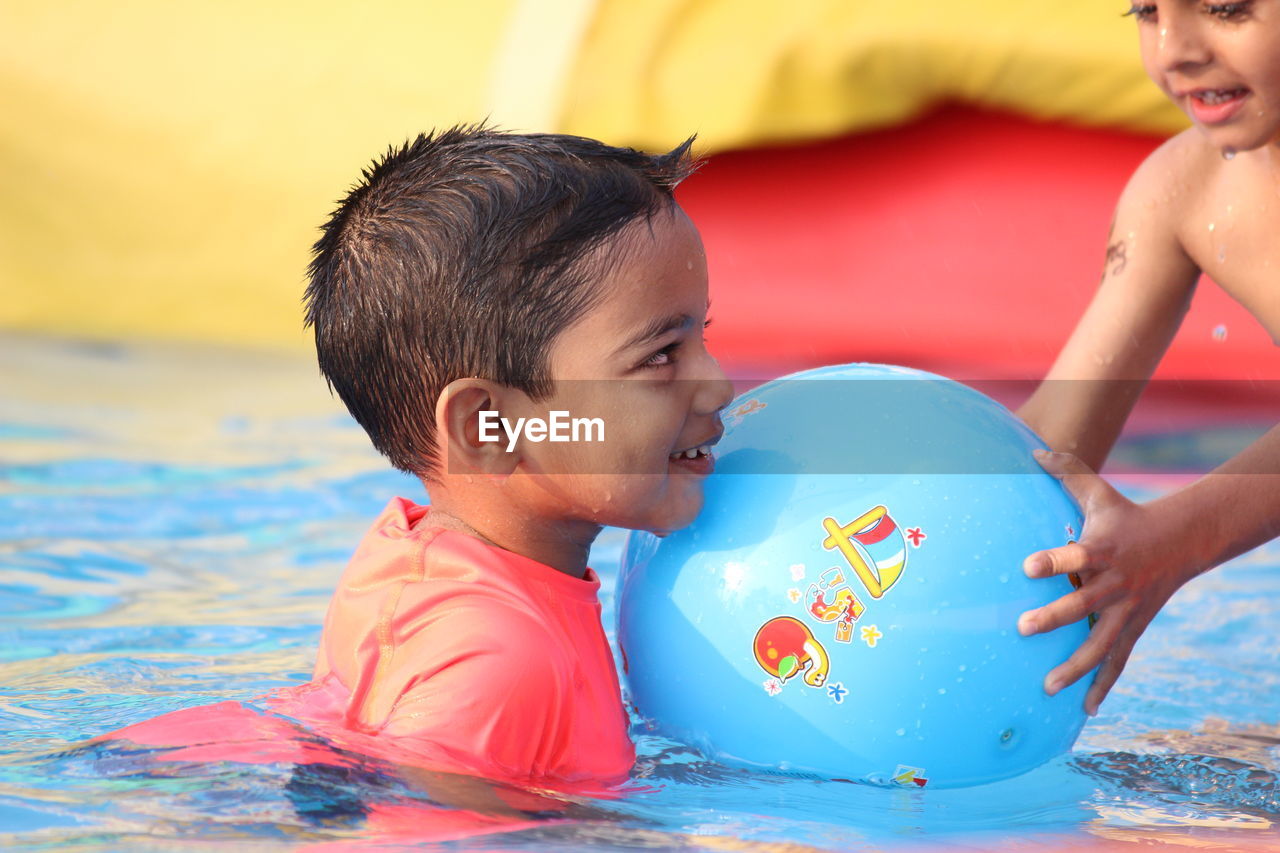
{"x": 1220, "y": 63}
{"x": 638, "y": 362}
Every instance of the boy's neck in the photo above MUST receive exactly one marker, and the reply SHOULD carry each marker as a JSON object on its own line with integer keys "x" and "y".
{"x": 560, "y": 546}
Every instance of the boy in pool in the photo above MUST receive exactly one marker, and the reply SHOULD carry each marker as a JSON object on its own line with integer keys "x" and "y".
{"x": 1208, "y": 201}
{"x": 471, "y": 279}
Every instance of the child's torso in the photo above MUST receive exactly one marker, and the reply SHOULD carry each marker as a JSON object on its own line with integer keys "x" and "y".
{"x": 430, "y": 625}
{"x": 1230, "y": 227}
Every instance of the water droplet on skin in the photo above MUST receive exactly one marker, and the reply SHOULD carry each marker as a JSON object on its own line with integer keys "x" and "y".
{"x": 1220, "y": 332}
{"x": 1222, "y": 256}
{"x": 688, "y": 265}
{"x": 1211, "y": 226}
{"x": 1228, "y": 153}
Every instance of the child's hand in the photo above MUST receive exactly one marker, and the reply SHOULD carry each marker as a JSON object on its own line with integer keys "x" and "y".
{"x": 1128, "y": 564}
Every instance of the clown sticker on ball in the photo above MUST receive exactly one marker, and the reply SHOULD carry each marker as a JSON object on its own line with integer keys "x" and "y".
{"x": 829, "y": 599}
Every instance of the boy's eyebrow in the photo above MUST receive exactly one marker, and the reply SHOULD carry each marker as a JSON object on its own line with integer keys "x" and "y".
{"x": 656, "y": 328}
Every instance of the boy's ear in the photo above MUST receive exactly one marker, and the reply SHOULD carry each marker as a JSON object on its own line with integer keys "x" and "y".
{"x": 469, "y": 433}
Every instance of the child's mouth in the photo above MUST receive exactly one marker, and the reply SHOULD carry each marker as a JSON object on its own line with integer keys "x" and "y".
{"x": 1213, "y": 106}
{"x": 696, "y": 460}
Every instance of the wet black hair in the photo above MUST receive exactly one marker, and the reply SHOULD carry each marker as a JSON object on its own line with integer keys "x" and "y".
{"x": 463, "y": 253}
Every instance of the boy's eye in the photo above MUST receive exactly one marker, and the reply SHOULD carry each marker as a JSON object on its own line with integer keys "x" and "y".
{"x": 1228, "y": 11}
{"x": 663, "y": 357}
{"x": 1142, "y": 11}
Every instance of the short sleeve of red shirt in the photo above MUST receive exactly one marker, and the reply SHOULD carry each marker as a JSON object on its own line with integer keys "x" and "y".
{"x": 467, "y": 657}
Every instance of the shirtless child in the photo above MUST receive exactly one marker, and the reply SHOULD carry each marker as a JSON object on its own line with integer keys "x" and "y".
{"x": 1207, "y": 201}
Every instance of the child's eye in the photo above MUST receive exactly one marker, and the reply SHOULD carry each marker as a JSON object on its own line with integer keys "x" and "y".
{"x": 1229, "y": 11}
{"x": 663, "y": 357}
{"x": 1142, "y": 11}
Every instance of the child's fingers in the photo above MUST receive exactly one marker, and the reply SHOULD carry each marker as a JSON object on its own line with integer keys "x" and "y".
{"x": 1070, "y": 608}
{"x": 1069, "y": 558}
{"x": 1094, "y": 649}
{"x": 1078, "y": 478}
{"x": 1111, "y": 668}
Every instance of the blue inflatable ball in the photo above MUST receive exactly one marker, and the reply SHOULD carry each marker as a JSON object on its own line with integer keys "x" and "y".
{"x": 846, "y": 603}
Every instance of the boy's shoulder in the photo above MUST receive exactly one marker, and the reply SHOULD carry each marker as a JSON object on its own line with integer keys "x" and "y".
{"x": 1178, "y": 174}
{"x": 1171, "y": 195}
{"x": 408, "y": 577}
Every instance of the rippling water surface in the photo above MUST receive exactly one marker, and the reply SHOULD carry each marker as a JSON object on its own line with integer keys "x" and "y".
{"x": 172, "y": 522}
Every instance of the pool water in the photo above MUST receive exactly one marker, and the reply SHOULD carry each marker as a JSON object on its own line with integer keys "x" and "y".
{"x": 173, "y": 520}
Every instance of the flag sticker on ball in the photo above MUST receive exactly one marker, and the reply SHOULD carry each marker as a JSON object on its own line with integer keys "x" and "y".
{"x": 873, "y": 545}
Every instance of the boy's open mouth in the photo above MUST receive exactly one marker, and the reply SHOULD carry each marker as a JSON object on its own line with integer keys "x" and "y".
{"x": 696, "y": 460}
{"x": 1211, "y": 106}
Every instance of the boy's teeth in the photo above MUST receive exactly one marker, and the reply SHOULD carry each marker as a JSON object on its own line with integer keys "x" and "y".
{"x": 1217, "y": 96}
{"x": 692, "y": 452}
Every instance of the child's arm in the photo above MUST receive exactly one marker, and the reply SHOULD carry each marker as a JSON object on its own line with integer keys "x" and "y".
{"x": 1146, "y": 288}
{"x": 1132, "y": 557}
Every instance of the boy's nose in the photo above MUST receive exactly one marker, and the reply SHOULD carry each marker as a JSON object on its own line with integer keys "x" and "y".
{"x": 714, "y": 390}
{"x": 1180, "y": 41}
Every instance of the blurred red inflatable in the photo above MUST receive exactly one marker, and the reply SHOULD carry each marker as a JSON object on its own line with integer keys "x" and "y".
{"x": 967, "y": 243}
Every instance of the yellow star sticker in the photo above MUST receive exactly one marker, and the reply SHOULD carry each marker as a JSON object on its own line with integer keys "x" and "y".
{"x": 794, "y": 595}
{"x": 871, "y": 634}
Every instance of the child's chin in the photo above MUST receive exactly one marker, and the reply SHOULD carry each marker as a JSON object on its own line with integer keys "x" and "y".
{"x": 686, "y": 517}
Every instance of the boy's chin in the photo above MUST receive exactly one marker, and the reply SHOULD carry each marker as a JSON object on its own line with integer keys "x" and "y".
{"x": 670, "y": 525}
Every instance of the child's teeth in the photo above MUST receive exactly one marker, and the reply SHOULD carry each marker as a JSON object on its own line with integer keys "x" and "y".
{"x": 691, "y": 453}
{"x": 1217, "y": 96}
{"x": 704, "y": 450}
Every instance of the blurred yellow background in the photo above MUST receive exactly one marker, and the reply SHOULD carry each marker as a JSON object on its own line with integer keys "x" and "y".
{"x": 166, "y": 165}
